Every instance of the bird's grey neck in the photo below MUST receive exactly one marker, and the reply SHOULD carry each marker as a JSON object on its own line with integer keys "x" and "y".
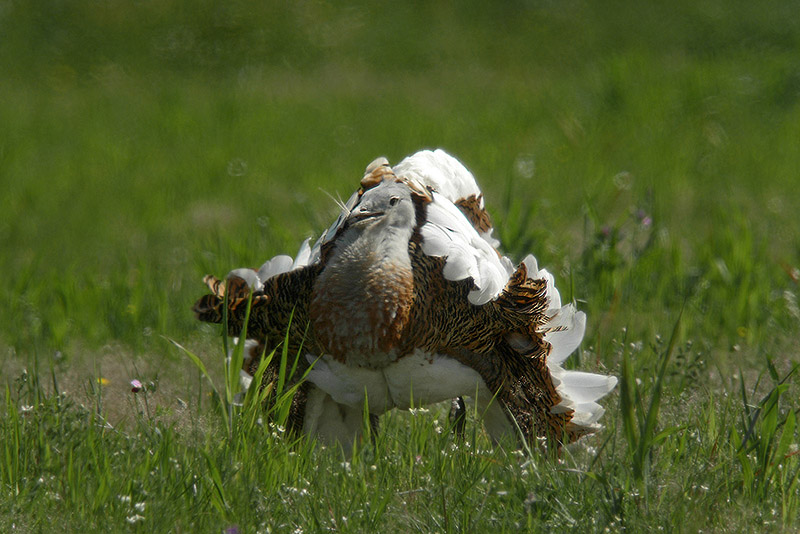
{"x": 376, "y": 244}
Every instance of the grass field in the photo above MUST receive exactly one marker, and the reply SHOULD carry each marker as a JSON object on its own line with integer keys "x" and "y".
{"x": 647, "y": 155}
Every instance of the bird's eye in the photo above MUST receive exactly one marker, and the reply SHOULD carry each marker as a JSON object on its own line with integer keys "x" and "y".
{"x": 394, "y": 200}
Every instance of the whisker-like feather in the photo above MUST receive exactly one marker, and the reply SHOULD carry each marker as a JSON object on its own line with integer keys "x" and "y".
{"x": 337, "y": 199}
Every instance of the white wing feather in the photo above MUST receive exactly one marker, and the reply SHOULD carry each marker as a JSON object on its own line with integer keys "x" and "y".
{"x": 446, "y": 175}
{"x": 441, "y": 172}
{"x": 564, "y": 331}
{"x": 447, "y": 233}
{"x": 277, "y": 265}
{"x": 249, "y": 276}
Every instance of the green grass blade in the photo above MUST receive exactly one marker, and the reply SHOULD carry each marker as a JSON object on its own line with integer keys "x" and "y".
{"x": 787, "y": 436}
{"x": 627, "y": 387}
{"x": 647, "y": 433}
{"x": 218, "y": 495}
{"x": 233, "y": 364}
{"x": 201, "y": 366}
{"x": 194, "y": 358}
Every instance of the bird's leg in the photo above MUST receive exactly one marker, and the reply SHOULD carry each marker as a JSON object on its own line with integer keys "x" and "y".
{"x": 458, "y": 417}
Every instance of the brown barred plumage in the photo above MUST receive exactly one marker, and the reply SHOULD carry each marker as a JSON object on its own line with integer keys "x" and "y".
{"x": 471, "y": 207}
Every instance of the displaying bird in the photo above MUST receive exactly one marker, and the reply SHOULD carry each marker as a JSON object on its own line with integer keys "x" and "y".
{"x": 406, "y": 301}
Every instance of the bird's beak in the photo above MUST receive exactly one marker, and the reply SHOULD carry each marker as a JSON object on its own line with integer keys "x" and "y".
{"x": 358, "y": 215}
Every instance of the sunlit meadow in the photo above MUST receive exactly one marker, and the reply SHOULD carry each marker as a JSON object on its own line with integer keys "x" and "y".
{"x": 648, "y": 155}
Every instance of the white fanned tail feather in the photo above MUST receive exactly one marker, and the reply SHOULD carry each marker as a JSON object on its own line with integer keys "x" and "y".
{"x": 564, "y": 332}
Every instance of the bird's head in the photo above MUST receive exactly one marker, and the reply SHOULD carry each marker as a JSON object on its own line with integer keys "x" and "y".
{"x": 384, "y": 206}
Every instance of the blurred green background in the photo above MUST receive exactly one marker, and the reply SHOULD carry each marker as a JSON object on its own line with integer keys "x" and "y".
{"x": 647, "y": 153}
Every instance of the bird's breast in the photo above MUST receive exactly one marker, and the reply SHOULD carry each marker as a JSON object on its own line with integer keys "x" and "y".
{"x": 359, "y": 310}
